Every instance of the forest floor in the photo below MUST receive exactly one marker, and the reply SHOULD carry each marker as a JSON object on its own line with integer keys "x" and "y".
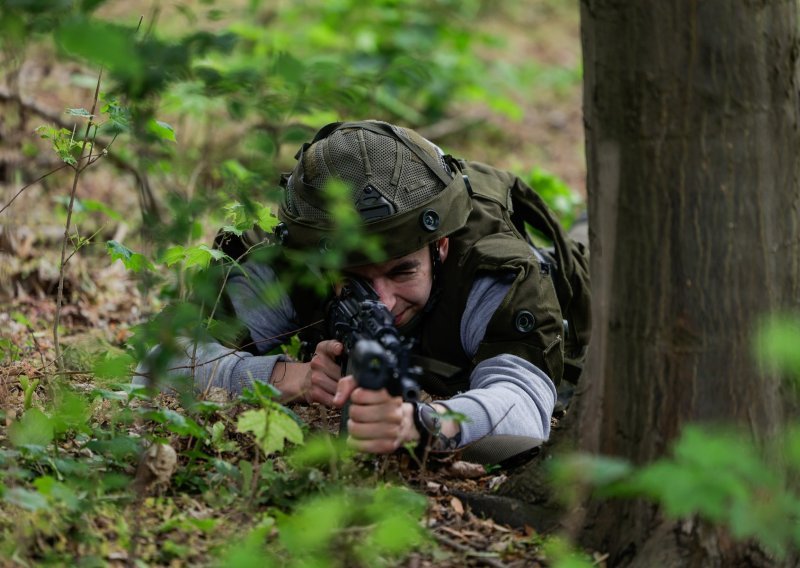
{"x": 168, "y": 525}
{"x": 169, "y": 529}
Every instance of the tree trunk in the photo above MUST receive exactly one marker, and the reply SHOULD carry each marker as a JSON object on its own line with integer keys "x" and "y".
{"x": 691, "y": 114}
{"x": 693, "y": 151}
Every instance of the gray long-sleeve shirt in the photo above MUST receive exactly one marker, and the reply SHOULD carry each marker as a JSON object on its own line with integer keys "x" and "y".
{"x": 507, "y": 394}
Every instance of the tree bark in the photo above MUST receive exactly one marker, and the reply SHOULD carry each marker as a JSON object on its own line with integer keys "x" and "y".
{"x": 693, "y": 149}
{"x": 693, "y": 155}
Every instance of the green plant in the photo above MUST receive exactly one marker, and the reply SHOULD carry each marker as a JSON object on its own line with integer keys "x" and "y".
{"x": 364, "y": 527}
{"x": 272, "y": 424}
{"x": 28, "y": 388}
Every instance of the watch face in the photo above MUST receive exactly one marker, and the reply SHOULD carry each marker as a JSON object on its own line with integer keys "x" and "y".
{"x": 429, "y": 419}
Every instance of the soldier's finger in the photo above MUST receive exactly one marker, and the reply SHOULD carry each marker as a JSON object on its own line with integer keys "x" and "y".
{"x": 344, "y": 388}
{"x": 374, "y": 446}
{"x": 363, "y": 431}
{"x": 329, "y": 348}
{"x": 327, "y": 367}
{"x": 324, "y": 383}
{"x": 390, "y": 413}
{"x": 321, "y": 396}
{"x": 367, "y": 396}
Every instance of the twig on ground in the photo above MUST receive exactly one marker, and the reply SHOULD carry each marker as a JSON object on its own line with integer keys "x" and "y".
{"x": 450, "y": 543}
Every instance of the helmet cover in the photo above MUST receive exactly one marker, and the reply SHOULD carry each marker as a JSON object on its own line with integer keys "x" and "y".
{"x": 407, "y": 192}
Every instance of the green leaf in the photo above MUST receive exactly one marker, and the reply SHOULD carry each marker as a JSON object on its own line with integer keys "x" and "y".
{"x": 259, "y": 394}
{"x": 70, "y": 412}
{"x": 110, "y": 395}
{"x": 395, "y": 511}
{"x": 776, "y": 344}
{"x": 108, "y": 45}
{"x": 173, "y": 255}
{"x": 81, "y": 112}
{"x": 251, "y": 551}
{"x": 118, "y": 115}
{"x": 560, "y": 554}
{"x": 318, "y": 451}
{"x": 176, "y": 422}
{"x": 597, "y": 471}
{"x": 235, "y": 169}
{"x": 30, "y": 500}
{"x": 34, "y": 429}
{"x": 314, "y": 524}
{"x": 132, "y": 260}
{"x": 94, "y": 205}
{"x": 109, "y": 366}
{"x": 161, "y": 129}
{"x": 201, "y": 255}
{"x": 722, "y": 476}
{"x": 271, "y": 427}
{"x": 267, "y": 219}
{"x": 564, "y": 202}
{"x": 64, "y": 143}
{"x": 58, "y": 492}
{"x": 119, "y": 448}
{"x": 20, "y": 318}
{"x": 394, "y": 535}
{"x": 198, "y": 255}
{"x": 7, "y": 348}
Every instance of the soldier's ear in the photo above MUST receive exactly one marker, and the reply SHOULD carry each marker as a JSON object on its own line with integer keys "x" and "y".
{"x": 444, "y": 246}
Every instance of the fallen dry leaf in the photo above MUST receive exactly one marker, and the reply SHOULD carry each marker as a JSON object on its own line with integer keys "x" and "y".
{"x": 457, "y": 506}
{"x": 466, "y": 470}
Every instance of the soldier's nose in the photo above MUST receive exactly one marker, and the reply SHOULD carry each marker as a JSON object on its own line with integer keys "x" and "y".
{"x": 384, "y": 293}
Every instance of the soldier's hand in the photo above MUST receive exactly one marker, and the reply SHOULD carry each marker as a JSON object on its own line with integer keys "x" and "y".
{"x": 323, "y": 373}
{"x": 379, "y": 423}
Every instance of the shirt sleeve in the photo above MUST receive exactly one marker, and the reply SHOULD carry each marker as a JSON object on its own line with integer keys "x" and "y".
{"x": 260, "y": 304}
{"x": 507, "y": 395}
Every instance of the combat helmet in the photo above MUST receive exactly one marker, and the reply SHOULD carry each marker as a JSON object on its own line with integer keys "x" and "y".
{"x": 408, "y": 193}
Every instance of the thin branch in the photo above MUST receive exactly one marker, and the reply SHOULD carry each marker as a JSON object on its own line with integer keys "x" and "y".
{"x": 89, "y": 161}
{"x": 79, "y": 245}
{"x": 76, "y": 177}
{"x": 147, "y": 200}
{"x": 34, "y": 182}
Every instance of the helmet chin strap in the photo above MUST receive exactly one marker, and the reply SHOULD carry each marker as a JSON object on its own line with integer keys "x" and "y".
{"x": 436, "y": 276}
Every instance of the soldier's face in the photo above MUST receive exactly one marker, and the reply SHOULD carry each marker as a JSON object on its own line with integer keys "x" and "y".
{"x": 403, "y": 284}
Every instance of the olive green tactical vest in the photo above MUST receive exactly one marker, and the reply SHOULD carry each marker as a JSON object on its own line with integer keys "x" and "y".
{"x": 544, "y": 318}
{"x": 530, "y": 322}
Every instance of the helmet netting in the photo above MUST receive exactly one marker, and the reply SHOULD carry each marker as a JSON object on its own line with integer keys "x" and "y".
{"x": 390, "y": 167}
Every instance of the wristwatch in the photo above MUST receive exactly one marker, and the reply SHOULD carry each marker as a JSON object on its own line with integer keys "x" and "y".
{"x": 428, "y": 422}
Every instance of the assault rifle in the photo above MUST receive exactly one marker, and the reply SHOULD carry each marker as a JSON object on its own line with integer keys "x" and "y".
{"x": 375, "y": 353}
